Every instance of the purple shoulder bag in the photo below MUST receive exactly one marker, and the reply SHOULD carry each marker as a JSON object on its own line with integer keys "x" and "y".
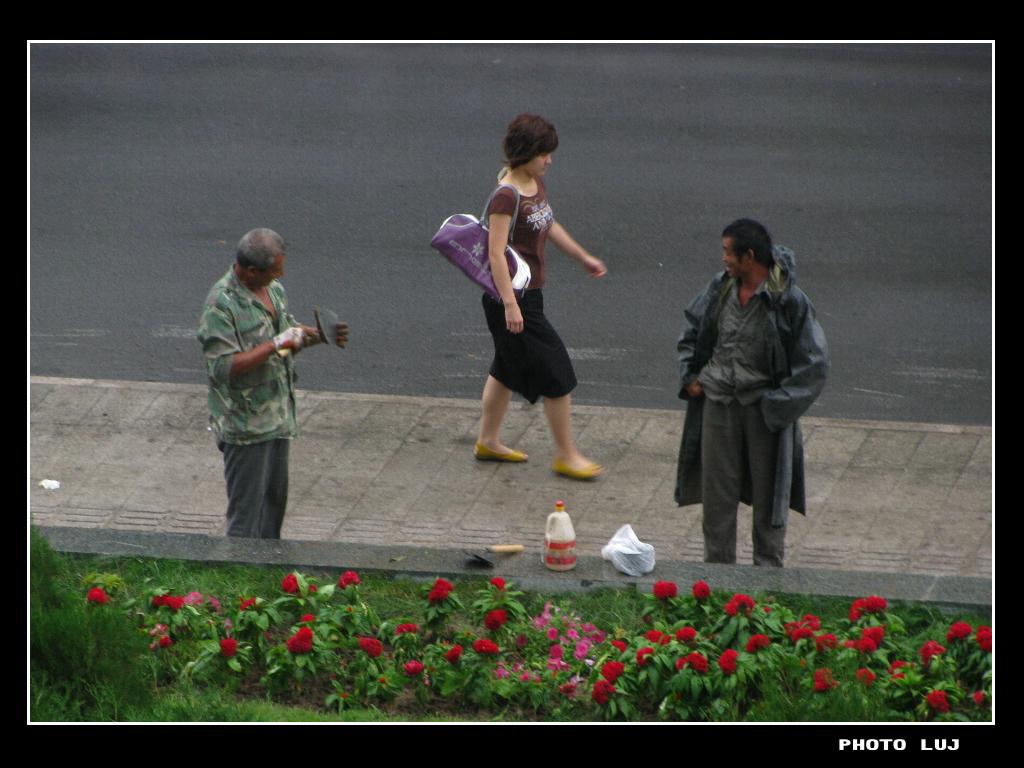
{"x": 462, "y": 239}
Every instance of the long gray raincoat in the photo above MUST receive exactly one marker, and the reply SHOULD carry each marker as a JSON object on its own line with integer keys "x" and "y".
{"x": 799, "y": 368}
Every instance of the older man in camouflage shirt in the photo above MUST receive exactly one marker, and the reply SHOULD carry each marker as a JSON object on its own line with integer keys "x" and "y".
{"x": 249, "y": 340}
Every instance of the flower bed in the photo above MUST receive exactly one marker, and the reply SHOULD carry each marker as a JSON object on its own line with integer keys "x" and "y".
{"x": 706, "y": 656}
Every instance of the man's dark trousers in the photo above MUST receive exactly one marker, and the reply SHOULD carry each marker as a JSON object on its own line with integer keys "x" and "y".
{"x": 257, "y": 486}
{"x": 732, "y": 436}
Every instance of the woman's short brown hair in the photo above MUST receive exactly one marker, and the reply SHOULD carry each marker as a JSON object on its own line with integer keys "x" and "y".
{"x": 529, "y": 136}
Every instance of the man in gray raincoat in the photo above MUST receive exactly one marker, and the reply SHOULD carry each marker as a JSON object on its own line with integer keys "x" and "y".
{"x": 752, "y": 359}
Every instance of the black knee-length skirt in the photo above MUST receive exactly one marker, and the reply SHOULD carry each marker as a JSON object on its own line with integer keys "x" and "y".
{"x": 533, "y": 363}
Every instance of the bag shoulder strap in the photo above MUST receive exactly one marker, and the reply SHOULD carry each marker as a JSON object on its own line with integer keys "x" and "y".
{"x": 515, "y": 214}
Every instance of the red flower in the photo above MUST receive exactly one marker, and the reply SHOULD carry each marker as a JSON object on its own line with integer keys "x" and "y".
{"x": 701, "y": 590}
{"x": 937, "y": 700}
{"x": 166, "y": 642}
{"x": 812, "y": 621}
{"x": 620, "y": 645}
{"x": 454, "y": 654}
{"x": 371, "y": 646}
{"x": 825, "y": 641}
{"x": 174, "y": 603}
{"x": 737, "y": 602}
{"x": 441, "y": 590}
{"x": 290, "y": 584}
{"x": 875, "y": 604}
{"x": 866, "y": 676}
{"x": 727, "y": 661}
{"x": 611, "y": 670}
{"x": 984, "y": 638}
{"x": 312, "y": 589}
{"x": 228, "y": 647}
{"x": 799, "y": 633}
{"x": 413, "y": 668}
{"x": 602, "y": 691}
{"x": 663, "y": 590}
{"x": 898, "y": 665}
{"x": 301, "y": 641}
{"x": 694, "y": 660}
{"x": 867, "y": 644}
{"x": 401, "y": 629}
{"x": 979, "y": 698}
{"x": 348, "y": 579}
{"x": 495, "y": 619}
{"x": 486, "y": 647}
{"x": 98, "y": 596}
{"x": 658, "y": 637}
{"x": 247, "y": 603}
{"x": 567, "y": 689}
{"x": 959, "y": 631}
{"x": 498, "y": 582}
{"x": 823, "y": 680}
{"x": 862, "y": 605}
{"x": 756, "y": 642}
{"x": 930, "y": 649}
{"x": 308, "y": 617}
{"x": 875, "y": 633}
{"x": 686, "y": 635}
{"x": 642, "y": 654}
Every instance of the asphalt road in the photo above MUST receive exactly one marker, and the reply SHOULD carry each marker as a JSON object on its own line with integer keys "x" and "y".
{"x": 872, "y": 162}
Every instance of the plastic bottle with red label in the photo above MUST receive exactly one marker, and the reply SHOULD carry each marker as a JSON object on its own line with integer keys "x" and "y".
{"x": 559, "y": 540}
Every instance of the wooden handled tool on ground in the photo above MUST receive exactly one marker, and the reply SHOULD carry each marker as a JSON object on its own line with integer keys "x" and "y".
{"x": 478, "y": 558}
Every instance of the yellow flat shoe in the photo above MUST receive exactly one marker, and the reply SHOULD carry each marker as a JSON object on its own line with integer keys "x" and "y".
{"x": 587, "y": 473}
{"x": 483, "y": 453}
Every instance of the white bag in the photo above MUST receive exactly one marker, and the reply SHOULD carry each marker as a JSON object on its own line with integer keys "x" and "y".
{"x": 628, "y": 553}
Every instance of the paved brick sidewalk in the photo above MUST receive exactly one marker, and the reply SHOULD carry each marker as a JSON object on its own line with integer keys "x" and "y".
{"x": 373, "y": 469}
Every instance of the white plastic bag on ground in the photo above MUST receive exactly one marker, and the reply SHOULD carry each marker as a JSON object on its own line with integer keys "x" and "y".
{"x": 628, "y": 553}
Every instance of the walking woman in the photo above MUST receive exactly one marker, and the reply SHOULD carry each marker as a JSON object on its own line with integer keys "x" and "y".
{"x": 529, "y": 357}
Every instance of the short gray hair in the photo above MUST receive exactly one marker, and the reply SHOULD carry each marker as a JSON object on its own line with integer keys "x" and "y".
{"x": 259, "y": 247}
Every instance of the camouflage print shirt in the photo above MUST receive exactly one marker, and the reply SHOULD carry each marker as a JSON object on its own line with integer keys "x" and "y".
{"x": 259, "y": 405}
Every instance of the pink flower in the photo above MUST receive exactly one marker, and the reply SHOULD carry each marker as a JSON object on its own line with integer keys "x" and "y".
{"x": 555, "y": 652}
{"x": 193, "y": 598}
{"x": 553, "y": 633}
{"x": 97, "y": 596}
